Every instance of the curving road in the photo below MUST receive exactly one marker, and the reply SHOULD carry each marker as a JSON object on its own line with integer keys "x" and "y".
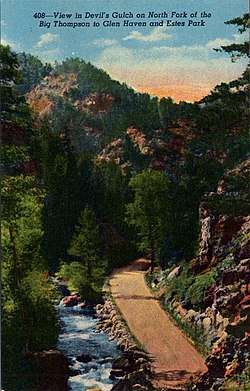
{"x": 175, "y": 360}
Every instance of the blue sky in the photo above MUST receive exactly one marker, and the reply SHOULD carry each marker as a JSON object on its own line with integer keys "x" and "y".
{"x": 176, "y": 61}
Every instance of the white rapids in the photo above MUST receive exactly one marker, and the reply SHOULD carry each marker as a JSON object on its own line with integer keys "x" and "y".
{"x": 78, "y": 336}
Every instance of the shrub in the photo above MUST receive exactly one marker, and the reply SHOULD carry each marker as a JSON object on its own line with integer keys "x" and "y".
{"x": 180, "y": 284}
{"x": 77, "y": 275}
{"x": 195, "y": 292}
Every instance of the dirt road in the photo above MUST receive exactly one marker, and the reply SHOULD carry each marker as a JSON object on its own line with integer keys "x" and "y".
{"x": 175, "y": 360}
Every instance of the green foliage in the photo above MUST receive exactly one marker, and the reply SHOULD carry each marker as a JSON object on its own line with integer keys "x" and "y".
{"x": 86, "y": 274}
{"x": 112, "y": 184}
{"x": 183, "y": 213}
{"x": 227, "y": 263}
{"x": 28, "y": 314}
{"x": 170, "y": 112}
{"x": 13, "y": 105}
{"x": 77, "y": 274}
{"x": 180, "y": 285}
{"x": 226, "y": 204}
{"x": 32, "y": 71}
{"x": 39, "y": 298}
{"x": 27, "y": 301}
{"x": 148, "y": 211}
{"x": 237, "y": 50}
{"x": 28, "y": 324}
{"x": 195, "y": 292}
{"x": 85, "y": 243}
{"x": 13, "y": 155}
{"x": 67, "y": 181}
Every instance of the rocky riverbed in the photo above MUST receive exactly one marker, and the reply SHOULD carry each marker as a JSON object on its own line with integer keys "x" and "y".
{"x": 90, "y": 353}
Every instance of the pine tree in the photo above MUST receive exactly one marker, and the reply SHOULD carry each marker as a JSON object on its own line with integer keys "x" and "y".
{"x": 148, "y": 211}
{"x": 85, "y": 244}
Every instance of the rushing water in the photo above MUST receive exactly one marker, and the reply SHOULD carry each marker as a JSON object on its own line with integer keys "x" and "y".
{"x": 78, "y": 336}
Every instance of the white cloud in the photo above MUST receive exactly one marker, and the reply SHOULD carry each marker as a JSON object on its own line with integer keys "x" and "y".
{"x": 13, "y": 44}
{"x": 155, "y": 35}
{"x": 183, "y": 51}
{"x": 49, "y": 55}
{"x": 5, "y": 42}
{"x": 102, "y": 42}
{"x": 116, "y": 54}
{"x": 218, "y": 42}
{"x": 241, "y": 37}
{"x": 3, "y": 23}
{"x": 46, "y": 38}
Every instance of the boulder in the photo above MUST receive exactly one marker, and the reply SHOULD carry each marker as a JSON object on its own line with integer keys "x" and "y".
{"x": 124, "y": 363}
{"x": 244, "y": 250}
{"x": 209, "y": 295}
{"x": 84, "y": 358}
{"x": 239, "y": 328}
{"x": 117, "y": 373}
{"x": 136, "y": 381}
{"x": 190, "y": 316}
{"x": 229, "y": 277}
{"x": 70, "y": 301}
{"x": 174, "y": 273}
{"x": 50, "y": 370}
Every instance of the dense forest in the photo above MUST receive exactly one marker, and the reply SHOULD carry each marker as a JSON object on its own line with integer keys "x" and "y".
{"x": 95, "y": 175}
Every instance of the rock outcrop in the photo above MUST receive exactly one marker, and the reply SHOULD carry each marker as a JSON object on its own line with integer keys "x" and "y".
{"x": 230, "y": 357}
{"x": 220, "y": 320}
{"x": 222, "y": 235}
{"x": 50, "y": 371}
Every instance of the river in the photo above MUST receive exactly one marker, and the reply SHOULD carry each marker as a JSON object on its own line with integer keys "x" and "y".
{"x": 78, "y": 336}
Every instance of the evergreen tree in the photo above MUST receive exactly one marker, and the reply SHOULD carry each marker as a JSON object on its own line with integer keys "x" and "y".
{"x": 148, "y": 211}
{"x": 27, "y": 304}
{"x": 67, "y": 182}
{"x": 237, "y": 50}
{"x": 27, "y": 299}
{"x": 13, "y": 105}
{"x": 86, "y": 270}
{"x": 85, "y": 244}
{"x": 33, "y": 71}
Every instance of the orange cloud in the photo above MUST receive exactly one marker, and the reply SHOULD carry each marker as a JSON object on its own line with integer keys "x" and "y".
{"x": 179, "y": 93}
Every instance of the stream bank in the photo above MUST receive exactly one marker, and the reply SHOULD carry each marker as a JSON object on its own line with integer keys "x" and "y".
{"x": 133, "y": 368}
{"x": 90, "y": 353}
{"x": 101, "y": 351}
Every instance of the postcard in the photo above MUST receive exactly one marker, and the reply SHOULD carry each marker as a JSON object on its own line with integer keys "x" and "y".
{"x": 125, "y": 202}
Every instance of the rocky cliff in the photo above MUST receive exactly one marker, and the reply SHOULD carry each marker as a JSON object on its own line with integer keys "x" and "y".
{"x": 210, "y": 297}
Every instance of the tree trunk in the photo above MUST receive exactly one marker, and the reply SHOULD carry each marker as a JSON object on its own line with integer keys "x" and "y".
{"x": 153, "y": 252}
{"x": 89, "y": 271}
{"x": 16, "y": 259}
{"x": 17, "y": 288}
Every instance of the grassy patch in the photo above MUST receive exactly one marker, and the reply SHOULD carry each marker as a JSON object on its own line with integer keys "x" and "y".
{"x": 190, "y": 333}
{"x": 240, "y": 382}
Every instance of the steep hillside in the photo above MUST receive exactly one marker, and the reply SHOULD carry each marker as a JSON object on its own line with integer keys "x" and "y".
{"x": 210, "y": 297}
{"x": 107, "y": 123}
